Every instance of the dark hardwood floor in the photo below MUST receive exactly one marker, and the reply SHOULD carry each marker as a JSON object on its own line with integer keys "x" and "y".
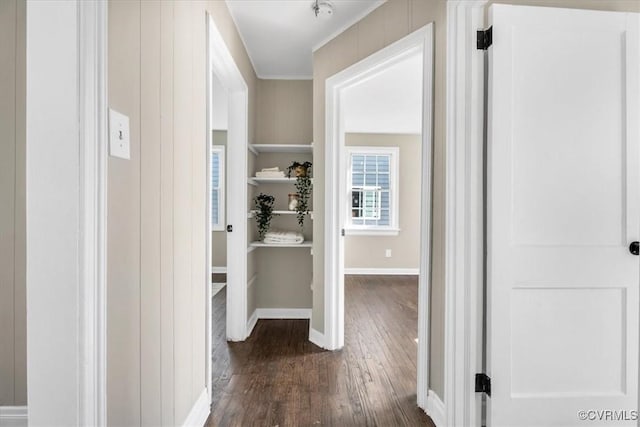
{"x": 278, "y": 378}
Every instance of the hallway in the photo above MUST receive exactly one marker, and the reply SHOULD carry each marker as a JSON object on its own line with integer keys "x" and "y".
{"x": 278, "y": 378}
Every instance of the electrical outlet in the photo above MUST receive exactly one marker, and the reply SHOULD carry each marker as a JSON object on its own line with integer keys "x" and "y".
{"x": 387, "y": 253}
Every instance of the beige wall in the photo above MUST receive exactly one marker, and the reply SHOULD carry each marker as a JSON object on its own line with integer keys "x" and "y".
{"x": 285, "y": 112}
{"x": 156, "y": 210}
{"x": 219, "y": 238}
{"x": 369, "y": 251}
{"x": 284, "y": 116}
{"x": 13, "y": 305}
{"x": 388, "y": 23}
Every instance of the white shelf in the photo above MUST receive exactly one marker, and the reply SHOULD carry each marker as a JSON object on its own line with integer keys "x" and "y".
{"x": 253, "y": 212}
{"x": 255, "y": 180}
{"x": 305, "y": 244}
{"x": 281, "y": 148}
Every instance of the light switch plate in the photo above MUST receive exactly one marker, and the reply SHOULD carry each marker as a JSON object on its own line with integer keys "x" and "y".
{"x": 119, "y": 141}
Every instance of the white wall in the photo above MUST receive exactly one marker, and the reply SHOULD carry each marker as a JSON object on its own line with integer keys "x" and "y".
{"x": 53, "y": 152}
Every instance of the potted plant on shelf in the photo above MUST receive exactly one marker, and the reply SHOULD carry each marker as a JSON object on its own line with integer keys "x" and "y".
{"x": 264, "y": 212}
{"x": 302, "y": 172}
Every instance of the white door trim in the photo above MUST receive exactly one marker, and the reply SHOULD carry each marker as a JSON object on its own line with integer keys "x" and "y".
{"x": 93, "y": 195}
{"x": 209, "y": 269}
{"x": 66, "y": 126}
{"x": 464, "y": 264}
{"x": 221, "y": 62}
{"x": 421, "y": 39}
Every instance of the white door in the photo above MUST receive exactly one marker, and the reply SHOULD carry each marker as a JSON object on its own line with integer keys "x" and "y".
{"x": 563, "y": 207}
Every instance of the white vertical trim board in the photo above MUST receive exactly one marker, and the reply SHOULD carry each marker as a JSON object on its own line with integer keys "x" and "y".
{"x": 420, "y": 41}
{"x": 93, "y": 151}
{"x": 13, "y": 416}
{"x": 464, "y": 210}
{"x": 209, "y": 269}
{"x": 199, "y": 412}
{"x": 383, "y": 271}
{"x": 436, "y": 409}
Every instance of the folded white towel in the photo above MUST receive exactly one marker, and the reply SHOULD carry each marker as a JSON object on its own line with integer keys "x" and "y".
{"x": 278, "y": 174}
{"x": 280, "y": 237}
{"x": 273, "y": 169}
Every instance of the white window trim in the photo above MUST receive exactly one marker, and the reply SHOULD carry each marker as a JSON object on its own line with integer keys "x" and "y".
{"x": 375, "y": 230}
{"x": 222, "y": 208}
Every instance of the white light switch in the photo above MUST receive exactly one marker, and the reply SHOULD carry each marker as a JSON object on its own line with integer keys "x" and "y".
{"x": 119, "y": 145}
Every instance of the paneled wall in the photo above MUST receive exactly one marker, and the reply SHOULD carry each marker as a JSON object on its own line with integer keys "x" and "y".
{"x": 13, "y": 304}
{"x": 156, "y": 208}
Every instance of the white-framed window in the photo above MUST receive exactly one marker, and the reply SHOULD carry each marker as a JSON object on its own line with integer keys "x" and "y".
{"x": 372, "y": 190}
{"x": 217, "y": 188}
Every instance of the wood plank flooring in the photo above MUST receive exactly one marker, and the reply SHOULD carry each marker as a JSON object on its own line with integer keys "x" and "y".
{"x": 278, "y": 378}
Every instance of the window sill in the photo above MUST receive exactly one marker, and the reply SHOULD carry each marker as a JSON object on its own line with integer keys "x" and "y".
{"x": 371, "y": 231}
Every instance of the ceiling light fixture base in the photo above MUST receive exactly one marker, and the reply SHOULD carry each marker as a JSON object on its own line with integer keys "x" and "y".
{"x": 322, "y": 9}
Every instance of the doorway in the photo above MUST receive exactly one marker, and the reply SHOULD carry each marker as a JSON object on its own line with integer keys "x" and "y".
{"x": 338, "y": 209}
{"x": 230, "y": 189}
{"x": 219, "y": 128}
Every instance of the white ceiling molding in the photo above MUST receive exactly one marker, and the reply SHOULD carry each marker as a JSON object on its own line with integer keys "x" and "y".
{"x": 281, "y": 35}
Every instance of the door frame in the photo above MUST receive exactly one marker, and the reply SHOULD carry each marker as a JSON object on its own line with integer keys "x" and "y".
{"x": 464, "y": 213}
{"x": 421, "y": 39}
{"x": 221, "y": 62}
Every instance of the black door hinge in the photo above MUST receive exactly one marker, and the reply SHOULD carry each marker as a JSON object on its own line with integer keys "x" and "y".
{"x": 229, "y": 228}
{"x": 483, "y": 384}
{"x": 485, "y": 39}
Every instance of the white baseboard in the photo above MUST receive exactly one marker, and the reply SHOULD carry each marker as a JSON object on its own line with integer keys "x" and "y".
{"x": 13, "y": 416}
{"x": 436, "y": 409}
{"x": 251, "y": 323}
{"x": 283, "y": 313}
{"x": 219, "y": 270}
{"x": 199, "y": 412}
{"x": 383, "y": 271}
{"x": 316, "y": 337}
{"x": 217, "y": 287}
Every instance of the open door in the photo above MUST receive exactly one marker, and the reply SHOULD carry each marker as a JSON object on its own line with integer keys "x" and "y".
{"x": 563, "y": 209}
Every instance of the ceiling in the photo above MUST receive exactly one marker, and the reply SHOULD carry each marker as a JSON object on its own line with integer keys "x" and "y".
{"x": 281, "y": 35}
{"x": 389, "y": 102}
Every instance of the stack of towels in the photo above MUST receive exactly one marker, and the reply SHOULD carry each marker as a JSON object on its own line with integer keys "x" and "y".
{"x": 274, "y": 172}
{"x": 279, "y": 237}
